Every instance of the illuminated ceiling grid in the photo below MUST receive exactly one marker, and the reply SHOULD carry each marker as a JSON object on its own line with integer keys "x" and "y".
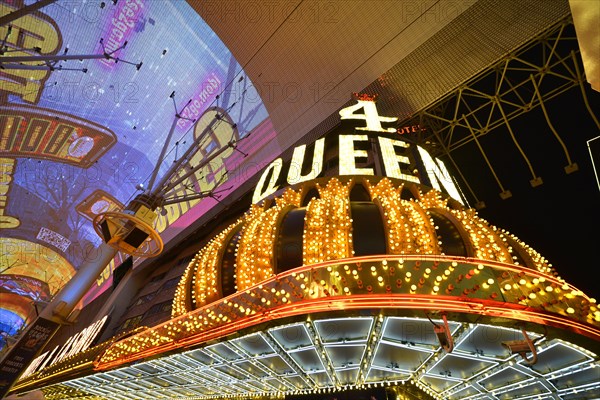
{"x": 305, "y": 84}
{"x": 326, "y": 355}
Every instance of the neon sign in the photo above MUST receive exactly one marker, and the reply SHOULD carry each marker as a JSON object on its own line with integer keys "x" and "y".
{"x": 75, "y": 344}
{"x": 396, "y": 156}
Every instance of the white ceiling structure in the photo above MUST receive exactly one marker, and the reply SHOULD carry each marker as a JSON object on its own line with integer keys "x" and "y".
{"x": 327, "y": 356}
{"x": 307, "y": 57}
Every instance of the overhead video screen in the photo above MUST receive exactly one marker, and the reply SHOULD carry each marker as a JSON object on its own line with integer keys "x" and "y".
{"x": 78, "y": 136}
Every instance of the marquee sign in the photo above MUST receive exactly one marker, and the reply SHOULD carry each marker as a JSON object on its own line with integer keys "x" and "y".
{"x": 73, "y": 345}
{"x": 36, "y": 336}
{"x": 398, "y": 159}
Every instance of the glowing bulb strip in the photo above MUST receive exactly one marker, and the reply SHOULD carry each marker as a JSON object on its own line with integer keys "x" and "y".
{"x": 393, "y": 218}
{"x": 409, "y": 229}
{"x": 255, "y": 251}
{"x": 465, "y": 285}
{"x": 180, "y": 297}
{"x": 433, "y": 199}
{"x": 422, "y": 229}
{"x": 205, "y": 285}
{"x": 328, "y": 227}
{"x": 487, "y": 244}
{"x": 201, "y": 276}
{"x": 539, "y": 262}
{"x": 255, "y": 255}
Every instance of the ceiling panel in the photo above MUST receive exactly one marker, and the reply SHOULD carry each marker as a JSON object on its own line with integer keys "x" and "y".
{"x": 456, "y": 375}
{"x": 309, "y": 62}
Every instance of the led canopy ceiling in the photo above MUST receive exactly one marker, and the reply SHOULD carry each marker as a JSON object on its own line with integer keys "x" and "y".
{"x": 88, "y": 92}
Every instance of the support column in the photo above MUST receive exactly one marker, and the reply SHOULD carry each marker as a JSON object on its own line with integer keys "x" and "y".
{"x": 43, "y": 328}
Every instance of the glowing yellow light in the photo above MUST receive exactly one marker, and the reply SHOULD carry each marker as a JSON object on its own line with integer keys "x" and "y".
{"x": 295, "y": 170}
{"x": 348, "y": 155}
{"x": 392, "y": 160}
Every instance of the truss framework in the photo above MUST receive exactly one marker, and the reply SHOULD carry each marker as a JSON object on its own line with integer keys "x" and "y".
{"x": 547, "y": 66}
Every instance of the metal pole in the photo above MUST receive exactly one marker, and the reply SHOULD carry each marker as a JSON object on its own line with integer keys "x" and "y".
{"x": 21, "y": 12}
{"x": 206, "y": 161}
{"x": 72, "y": 293}
{"x": 484, "y": 156}
{"x": 178, "y": 163}
{"x": 63, "y": 57}
{"x": 162, "y": 155}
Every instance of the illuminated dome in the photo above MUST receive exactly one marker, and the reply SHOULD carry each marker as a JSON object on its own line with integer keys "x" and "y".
{"x": 349, "y": 283}
{"x": 318, "y": 221}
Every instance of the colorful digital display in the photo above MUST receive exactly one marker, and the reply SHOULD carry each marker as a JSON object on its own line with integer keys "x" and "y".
{"x": 49, "y": 135}
{"x": 41, "y": 262}
{"x": 78, "y": 136}
{"x": 10, "y": 323}
{"x": 33, "y": 288}
{"x": 98, "y": 202}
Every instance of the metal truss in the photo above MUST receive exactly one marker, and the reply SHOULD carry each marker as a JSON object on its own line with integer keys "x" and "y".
{"x": 544, "y": 68}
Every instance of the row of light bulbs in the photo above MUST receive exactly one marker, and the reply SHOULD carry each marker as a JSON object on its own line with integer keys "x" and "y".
{"x": 385, "y": 276}
{"x": 328, "y": 236}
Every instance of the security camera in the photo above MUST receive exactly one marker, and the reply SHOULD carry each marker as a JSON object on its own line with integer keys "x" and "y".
{"x": 522, "y": 347}
{"x": 440, "y": 332}
{"x": 443, "y": 334}
{"x": 516, "y": 346}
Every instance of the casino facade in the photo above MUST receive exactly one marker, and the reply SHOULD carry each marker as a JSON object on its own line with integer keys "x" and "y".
{"x": 254, "y": 200}
{"x": 348, "y": 283}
